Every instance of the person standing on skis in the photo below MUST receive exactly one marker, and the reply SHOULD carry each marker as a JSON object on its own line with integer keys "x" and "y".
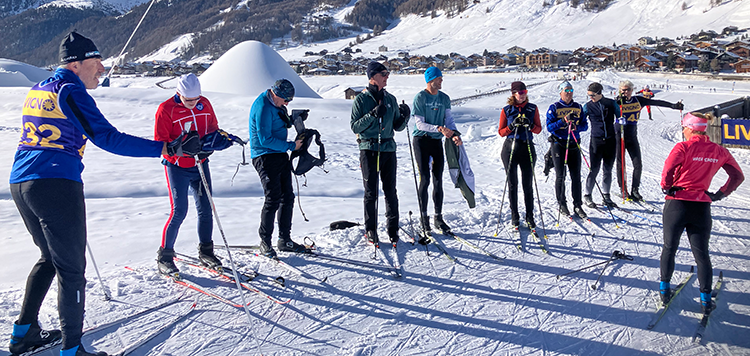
{"x": 518, "y": 120}
{"x": 433, "y": 118}
{"x": 59, "y": 118}
{"x": 188, "y": 106}
{"x": 601, "y": 113}
{"x": 685, "y": 180}
{"x": 376, "y": 114}
{"x": 631, "y": 111}
{"x": 565, "y": 118}
{"x": 648, "y": 94}
{"x": 269, "y": 126}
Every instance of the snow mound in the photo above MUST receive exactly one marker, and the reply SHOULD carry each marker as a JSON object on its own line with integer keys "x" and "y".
{"x": 19, "y": 74}
{"x": 250, "y": 68}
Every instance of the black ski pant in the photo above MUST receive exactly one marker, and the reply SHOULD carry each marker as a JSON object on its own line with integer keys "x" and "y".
{"x": 275, "y": 172}
{"x": 368, "y": 161}
{"x": 54, "y": 213}
{"x": 633, "y": 148}
{"x": 695, "y": 217}
{"x": 429, "y": 154}
{"x": 601, "y": 151}
{"x": 574, "y": 167}
{"x": 520, "y": 159}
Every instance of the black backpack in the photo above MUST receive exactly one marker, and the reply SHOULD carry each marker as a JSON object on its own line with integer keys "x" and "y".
{"x": 307, "y": 161}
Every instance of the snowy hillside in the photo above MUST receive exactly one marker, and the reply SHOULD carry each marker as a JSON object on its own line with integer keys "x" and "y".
{"x": 477, "y": 306}
{"x": 120, "y": 6}
{"x": 497, "y": 25}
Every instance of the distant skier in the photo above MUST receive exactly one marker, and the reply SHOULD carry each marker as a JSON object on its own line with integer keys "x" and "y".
{"x": 59, "y": 117}
{"x": 375, "y": 116}
{"x": 565, "y": 118}
{"x": 188, "y": 106}
{"x": 269, "y": 126}
{"x": 433, "y": 118}
{"x": 518, "y": 120}
{"x": 685, "y": 179}
{"x": 648, "y": 94}
{"x": 601, "y": 113}
{"x": 631, "y": 112}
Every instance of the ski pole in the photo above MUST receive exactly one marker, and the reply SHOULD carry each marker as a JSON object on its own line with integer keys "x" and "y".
{"x": 567, "y": 144}
{"x": 609, "y": 208}
{"x": 507, "y": 177}
{"x": 416, "y": 188}
{"x": 530, "y": 142}
{"x": 226, "y": 244}
{"x": 622, "y": 155}
{"x": 616, "y": 255}
{"x": 106, "y": 79}
{"x": 107, "y": 297}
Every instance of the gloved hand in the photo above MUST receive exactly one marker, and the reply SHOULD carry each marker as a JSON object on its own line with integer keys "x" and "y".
{"x": 284, "y": 116}
{"x": 678, "y": 106}
{"x": 519, "y": 121}
{"x": 404, "y": 110}
{"x": 379, "y": 111}
{"x": 715, "y": 196}
{"x": 187, "y": 144}
{"x": 671, "y": 190}
{"x": 621, "y": 120}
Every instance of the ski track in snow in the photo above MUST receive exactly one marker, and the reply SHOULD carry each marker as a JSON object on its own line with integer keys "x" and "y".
{"x": 477, "y": 306}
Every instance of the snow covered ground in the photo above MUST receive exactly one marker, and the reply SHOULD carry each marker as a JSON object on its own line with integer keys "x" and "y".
{"x": 477, "y": 306}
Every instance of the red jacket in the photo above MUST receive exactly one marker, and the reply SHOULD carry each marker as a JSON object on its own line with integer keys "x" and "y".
{"x": 171, "y": 118}
{"x": 692, "y": 164}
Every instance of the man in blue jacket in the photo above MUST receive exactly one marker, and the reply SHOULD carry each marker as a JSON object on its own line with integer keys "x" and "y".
{"x": 269, "y": 126}
{"x": 59, "y": 117}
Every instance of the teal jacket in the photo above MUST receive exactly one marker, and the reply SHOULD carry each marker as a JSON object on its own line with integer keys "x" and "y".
{"x": 366, "y": 125}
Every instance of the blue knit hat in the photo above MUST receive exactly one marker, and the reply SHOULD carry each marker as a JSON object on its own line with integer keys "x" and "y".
{"x": 431, "y": 73}
{"x": 565, "y": 84}
{"x": 283, "y": 89}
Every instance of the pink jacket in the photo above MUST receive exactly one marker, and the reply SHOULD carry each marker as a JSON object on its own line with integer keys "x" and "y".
{"x": 692, "y": 164}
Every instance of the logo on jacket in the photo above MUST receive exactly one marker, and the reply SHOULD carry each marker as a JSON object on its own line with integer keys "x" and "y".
{"x": 48, "y": 105}
{"x": 199, "y": 106}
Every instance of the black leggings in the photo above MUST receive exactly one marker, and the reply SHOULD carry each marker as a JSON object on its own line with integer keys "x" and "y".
{"x": 634, "y": 151}
{"x": 695, "y": 217}
{"x": 275, "y": 174}
{"x": 520, "y": 159}
{"x": 574, "y": 167}
{"x": 426, "y": 148}
{"x": 601, "y": 151}
{"x": 54, "y": 212}
{"x": 368, "y": 161}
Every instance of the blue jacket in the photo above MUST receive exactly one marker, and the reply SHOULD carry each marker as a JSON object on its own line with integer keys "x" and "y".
{"x": 602, "y": 116}
{"x": 556, "y": 124}
{"x": 59, "y": 117}
{"x": 268, "y": 132}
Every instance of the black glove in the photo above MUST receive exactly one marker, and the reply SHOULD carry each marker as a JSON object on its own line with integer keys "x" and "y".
{"x": 518, "y": 122}
{"x": 678, "y": 106}
{"x": 284, "y": 116}
{"x": 672, "y": 190}
{"x": 715, "y": 196}
{"x": 404, "y": 110}
{"x": 187, "y": 144}
{"x": 379, "y": 111}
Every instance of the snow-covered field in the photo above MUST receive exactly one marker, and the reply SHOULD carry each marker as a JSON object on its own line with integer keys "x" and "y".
{"x": 477, "y": 306}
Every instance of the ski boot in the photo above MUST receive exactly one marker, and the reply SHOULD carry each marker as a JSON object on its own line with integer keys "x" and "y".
{"x": 530, "y": 222}
{"x": 372, "y": 237}
{"x": 165, "y": 262}
{"x": 635, "y": 195}
{"x": 266, "y": 250}
{"x": 440, "y": 224}
{"x": 80, "y": 351}
{"x": 207, "y": 257}
{"x": 564, "y": 210}
{"x": 425, "y": 221}
{"x": 28, "y": 337}
{"x": 286, "y": 244}
{"x": 580, "y": 213}
{"x": 515, "y": 220}
{"x": 707, "y": 305}
{"x": 589, "y": 202}
{"x": 606, "y": 200}
{"x": 665, "y": 292}
{"x": 393, "y": 234}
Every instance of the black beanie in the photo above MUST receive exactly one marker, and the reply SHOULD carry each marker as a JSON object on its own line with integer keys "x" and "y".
{"x": 517, "y": 86}
{"x": 374, "y": 68}
{"x": 595, "y": 88}
{"x": 74, "y": 47}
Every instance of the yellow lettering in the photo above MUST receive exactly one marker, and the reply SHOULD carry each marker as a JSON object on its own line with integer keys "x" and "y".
{"x": 54, "y": 136}
{"x": 726, "y": 133}
{"x": 745, "y": 133}
{"x": 30, "y": 131}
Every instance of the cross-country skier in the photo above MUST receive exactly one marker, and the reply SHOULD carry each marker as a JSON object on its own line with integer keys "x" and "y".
{"x": 648, "y": 94}
{"x": 565, "y": 118}
{"x": 188, "y": 106}
{"x": 601, "y": 113}
{"x": 518, "y": 120}
{"x": 685, "y": 179}
{"x": 432, "y": 115}
{"x": 59, "y": 117}
{"x": 631, "y": 112}
{"x": 375, "y": 116}
{"x": 269, "y": 126}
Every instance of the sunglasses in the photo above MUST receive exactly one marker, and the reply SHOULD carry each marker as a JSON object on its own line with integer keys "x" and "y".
{"x": 522, "y": 92}
{"x": 287, "y": 101}
{"x": 568, "y": 90}
{"x": 593, "y": 95}
{"x": 385, "y": 74}
{"x": 626, "y": 89}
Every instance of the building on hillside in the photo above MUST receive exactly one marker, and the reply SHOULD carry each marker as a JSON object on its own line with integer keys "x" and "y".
{"x": 648, "y": 63}
{"x": 643, "y": 41}
{"x": 352, "y": 92}
{"x": 742, "y": 66}
{"x": 686, "y": 62}
{"x": 727, "y": 60}
{"x": 382, "y": 48}
{"x": 516, "y": 50}
{"x": 741, "y": 50}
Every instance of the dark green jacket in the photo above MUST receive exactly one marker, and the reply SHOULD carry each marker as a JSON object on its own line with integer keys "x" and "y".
{"x": 366, "y": 125}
